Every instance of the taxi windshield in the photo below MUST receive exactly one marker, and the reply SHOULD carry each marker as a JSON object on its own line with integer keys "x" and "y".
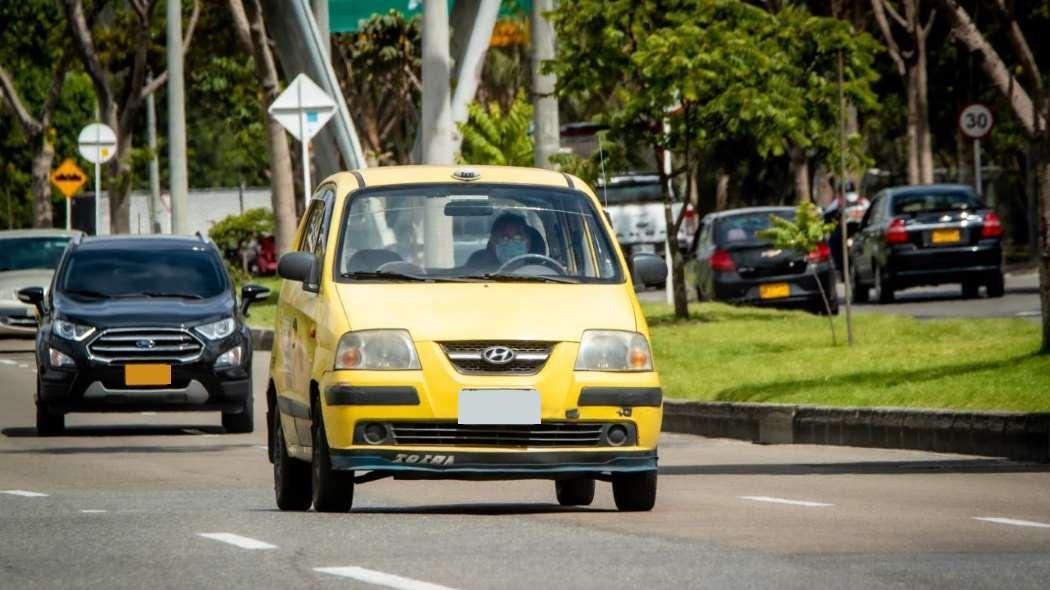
{"x": 475, "y": 233}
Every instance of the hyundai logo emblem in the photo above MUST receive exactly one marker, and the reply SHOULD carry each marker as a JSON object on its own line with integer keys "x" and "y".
{"x": 145, "y": 344}
{"x": 498, "y": 355}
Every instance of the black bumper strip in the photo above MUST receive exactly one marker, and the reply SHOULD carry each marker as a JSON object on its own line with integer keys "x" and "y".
{"x": 621, "y": 396}
{"x": 293, "y": 408}
{"x": 349, "y": 395}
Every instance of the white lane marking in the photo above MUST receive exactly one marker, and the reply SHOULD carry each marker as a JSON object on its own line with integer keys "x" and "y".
{"x": 238, "y": 541}
{"x": 379, "y": 578}
{"x": 23, "y": 493}
{"x": 263, "y": 447}
{"x": 785, "y": 501}
{"x": 148, "y": 413}
{"x": 8, "y": 362}
{"x": 23, "y": 365}
{"x": 92, "y": 511}
{"x": 1013, "y": 521}
{"x": 1029, "y": 314}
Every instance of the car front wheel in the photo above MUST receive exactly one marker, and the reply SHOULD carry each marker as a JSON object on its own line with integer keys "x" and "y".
{"x": 635, "y": 492}
{"x": 575, "y": 492}
{"x": 48, "y": 423}
{"x": 333, "y": 490}
{"x": 241, "y": 422}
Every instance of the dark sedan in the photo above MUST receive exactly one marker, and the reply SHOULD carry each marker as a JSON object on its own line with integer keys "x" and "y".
{"x": 927, "y": 235}
{"x": 734, "y": 265}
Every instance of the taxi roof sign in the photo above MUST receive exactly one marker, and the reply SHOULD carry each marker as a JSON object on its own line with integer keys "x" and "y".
{"x": 69, "y": 178}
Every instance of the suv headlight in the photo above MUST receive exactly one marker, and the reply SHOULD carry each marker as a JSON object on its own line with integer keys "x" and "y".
{"x": 70, "y": 331}
{"x": 613, "y": 350}
{"x": 217, "y": 330}
{"x": 376, "y": 350}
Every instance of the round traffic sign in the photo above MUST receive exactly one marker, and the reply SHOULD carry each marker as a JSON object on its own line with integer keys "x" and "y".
{"x": 976, "y": 120}
{"x": 97, "y": 143}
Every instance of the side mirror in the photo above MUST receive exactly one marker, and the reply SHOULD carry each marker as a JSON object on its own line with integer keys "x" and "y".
{"x": 33, "y": 296}
{"x": 252, "y": 294}
{"x": 649, "y": 269}
{"x": 301, "y": 267}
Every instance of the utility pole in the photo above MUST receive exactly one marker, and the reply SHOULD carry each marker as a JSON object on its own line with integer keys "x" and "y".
{"x": 843, "y": 228}
{"x": 437, "y": 127}
{"x": 545, "y": 104}
{"x": 320, "y": 10}
{"x": 177, "y": 122}
{"x": 154, "y": 161}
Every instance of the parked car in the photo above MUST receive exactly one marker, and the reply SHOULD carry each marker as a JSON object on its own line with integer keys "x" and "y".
{"x": 735, "y": 265}
{"x": 636, "y": 208}
{"x": 856, "y": 207}
{"x": 927, "y": 235}
{"x": 27, "y": 257}
{"x": 398, "y": 356}
{"x": 142, "y": 323}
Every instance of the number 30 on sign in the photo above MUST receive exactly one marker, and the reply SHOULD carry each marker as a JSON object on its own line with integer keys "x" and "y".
{"x": 976, "y": 120}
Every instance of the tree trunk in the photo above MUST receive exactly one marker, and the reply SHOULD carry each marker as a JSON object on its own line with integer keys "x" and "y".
{"x": 913, "y": 134}
{"x": 677, "y": 279}
{"x": 922, "y": 105}
{"x": 42, "y": 159}
{"x": 721, "y": 190}
{"x": 800, "y": 173}
{"x": 119, "y": 176}
{"x": 1042, "y": 169}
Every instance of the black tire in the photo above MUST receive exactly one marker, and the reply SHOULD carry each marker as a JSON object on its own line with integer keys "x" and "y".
{"x": 333, "y": 491}
{"x": 243, "y": 421}
{"x": 291, "y": 477}
{"x": 996, "y": 285}
{"x": 48, "y": 423}
{"x": 883, "y": 286}
{"x": 575, "y": 492}
{"x": 635, "y": 492}
{"x": 858, "y": 289}
{"x": 971, "y": 290}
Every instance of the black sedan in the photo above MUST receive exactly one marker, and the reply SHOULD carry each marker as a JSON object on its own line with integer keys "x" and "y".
{"x": 927, "y": 235}
{"x": 735, "y": 265}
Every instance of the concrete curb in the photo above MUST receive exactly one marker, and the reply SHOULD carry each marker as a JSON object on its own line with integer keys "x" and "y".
{"x": 1015, "y": 435}
{"x": 262, "y": 339}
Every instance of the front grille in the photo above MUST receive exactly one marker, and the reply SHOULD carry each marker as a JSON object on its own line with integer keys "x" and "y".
{"x": 548, "y": 434}
{"x": 467, "y": 357}
{"x": 134, "y": 345}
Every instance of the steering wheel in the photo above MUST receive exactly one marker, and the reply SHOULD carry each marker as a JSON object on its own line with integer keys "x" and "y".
{"x": 526, "y": 259}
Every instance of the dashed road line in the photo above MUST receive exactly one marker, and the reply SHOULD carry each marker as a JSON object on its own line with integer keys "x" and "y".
{"x": 8, "y": 362}
{"x": 24, "y": 493}
{"x": 263, "y": 447}
{"x": 23, "y": 365}
{"x": 1013, "y": 521}
{"x": 379, "y": 578}
{"x": 148, "y": 413}
{"x": 773, "y": 500}
{"x": 93, "y": 511}
{"x": 238, "y": 540}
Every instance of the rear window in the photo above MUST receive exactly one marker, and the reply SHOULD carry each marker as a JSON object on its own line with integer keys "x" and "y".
{"x": 183, "y": 272}
{"x": 914, "y": 203}
{"x": 744, "y": 228}
{"x": 631, "y": 193}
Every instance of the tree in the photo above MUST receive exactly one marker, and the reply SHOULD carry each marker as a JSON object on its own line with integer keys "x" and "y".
{"x": 251, "y": 31}
{"x": 1029, "y": 101}
{"x": 117, "y": 59}
{"x": 910, "y": 58}
{"x": 491, "y": 136}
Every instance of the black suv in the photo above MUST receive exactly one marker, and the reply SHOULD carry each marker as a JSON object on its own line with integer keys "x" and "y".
{"x": 142, "y": 323}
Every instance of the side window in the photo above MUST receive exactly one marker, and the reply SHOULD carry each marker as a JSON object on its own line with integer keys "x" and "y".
{"x": 871, "y": 215}
{"x": 312, "y": 231}
{"x": 324, "y": 203}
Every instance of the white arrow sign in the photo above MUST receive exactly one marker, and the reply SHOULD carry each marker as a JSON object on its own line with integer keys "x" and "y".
{"x": 97, "y": 143}
{"x": 303, "y": 109}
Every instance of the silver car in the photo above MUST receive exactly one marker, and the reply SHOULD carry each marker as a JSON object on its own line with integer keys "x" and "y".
{"x": 27, "y": 258}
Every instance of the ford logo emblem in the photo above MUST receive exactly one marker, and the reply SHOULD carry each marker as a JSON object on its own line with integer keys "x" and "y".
{"x": 498, "y": 355}
{"x": 145, "y": 344}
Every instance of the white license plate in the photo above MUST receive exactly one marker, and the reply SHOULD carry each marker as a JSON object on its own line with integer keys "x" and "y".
{"x": 499, "y": 406}
{"x": 645, "y": 249}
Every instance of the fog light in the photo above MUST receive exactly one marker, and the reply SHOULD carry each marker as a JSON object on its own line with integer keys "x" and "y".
{"x": 60, "y": 359}
{"x": 375, "y": 433}
{"x": 617, "y": 435}
{"x": 230, "y": 358}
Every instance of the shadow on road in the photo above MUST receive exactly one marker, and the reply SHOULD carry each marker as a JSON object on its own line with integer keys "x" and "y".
{"x": 120, "y": 430}
{"x": 476, "y": 509}
{"x": 860, "y": 468}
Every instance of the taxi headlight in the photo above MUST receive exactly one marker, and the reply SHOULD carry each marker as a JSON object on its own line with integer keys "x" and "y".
{"x": 70, "y": 331}
{"x": 376, "y": 350}
{"x": 613, "y": 350}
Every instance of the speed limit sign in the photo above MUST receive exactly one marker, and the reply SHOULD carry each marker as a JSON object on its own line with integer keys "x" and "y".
{"x": 976, "y": 120}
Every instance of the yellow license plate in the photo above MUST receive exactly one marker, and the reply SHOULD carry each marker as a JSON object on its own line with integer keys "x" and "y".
{"x": 774, "y": 290}
{"x": 147, "y": 375}
{"x": 946, "y": 236}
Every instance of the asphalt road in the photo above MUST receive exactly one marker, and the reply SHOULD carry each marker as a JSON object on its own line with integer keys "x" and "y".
{"x": 169, "y": 500}
{"x": 1021, "y": 300}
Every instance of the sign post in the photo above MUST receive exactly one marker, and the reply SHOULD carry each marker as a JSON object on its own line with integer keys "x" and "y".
{"x": 303, "y": 109}
{"x": 97, "y": 144}
{"x": 68, "y": 177}
{"x": 976, "y": 121}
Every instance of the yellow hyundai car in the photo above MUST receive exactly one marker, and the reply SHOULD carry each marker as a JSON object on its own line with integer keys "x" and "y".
{"x": 461, "y": 323}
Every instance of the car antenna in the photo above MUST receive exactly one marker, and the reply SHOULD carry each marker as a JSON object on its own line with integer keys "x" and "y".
{"x": 605, "y": 181}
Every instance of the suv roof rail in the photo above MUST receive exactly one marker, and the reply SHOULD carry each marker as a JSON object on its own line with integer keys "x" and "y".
{"x": 77, "y": 237}
{"x": 201, "y": 236}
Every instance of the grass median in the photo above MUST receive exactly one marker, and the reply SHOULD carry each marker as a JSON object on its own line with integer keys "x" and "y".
{"x": 738, "y": 354}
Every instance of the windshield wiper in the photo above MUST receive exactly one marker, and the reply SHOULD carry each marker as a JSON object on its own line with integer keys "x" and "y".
{"x": 495, "y": 276}
{"x": 86, "y": 293}
{"x": 396, "y": 276}
{"x": 165, "y": 294}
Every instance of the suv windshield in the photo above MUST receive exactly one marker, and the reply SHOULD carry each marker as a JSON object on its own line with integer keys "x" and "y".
{"x": 912, "y": 203}
{"x": 741, "y": 229}
{"x": 481, "y": 232}
{"x": 28, "y": 253}
{"x": 190, "y": 273}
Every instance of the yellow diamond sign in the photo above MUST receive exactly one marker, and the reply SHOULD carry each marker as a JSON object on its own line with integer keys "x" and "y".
{"x": 68, "y": 177}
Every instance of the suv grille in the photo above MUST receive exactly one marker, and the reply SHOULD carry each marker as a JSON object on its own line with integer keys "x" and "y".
{"x": 122, "y": 345}
{"x": 548, "y": 434}
{"x": 468, "y": 357}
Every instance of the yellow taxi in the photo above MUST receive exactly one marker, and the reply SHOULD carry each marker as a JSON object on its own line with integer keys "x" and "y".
{"x": 461, "y": 323}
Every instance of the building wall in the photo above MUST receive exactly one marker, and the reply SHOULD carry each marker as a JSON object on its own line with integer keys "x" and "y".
{"x": 206, "y": 206}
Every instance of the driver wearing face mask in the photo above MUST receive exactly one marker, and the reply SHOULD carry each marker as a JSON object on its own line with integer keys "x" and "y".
{"x": 510, "y": 238}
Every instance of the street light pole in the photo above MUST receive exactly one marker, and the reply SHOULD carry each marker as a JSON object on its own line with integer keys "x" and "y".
{"x": 177, "y": 122}
{"x": 545, "y": 104}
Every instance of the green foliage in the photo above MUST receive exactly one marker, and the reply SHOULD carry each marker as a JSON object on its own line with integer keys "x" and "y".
{"x": 492, "y": 136}
{"x": 233, "y": 231}
{"x": 801, "y": 235}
